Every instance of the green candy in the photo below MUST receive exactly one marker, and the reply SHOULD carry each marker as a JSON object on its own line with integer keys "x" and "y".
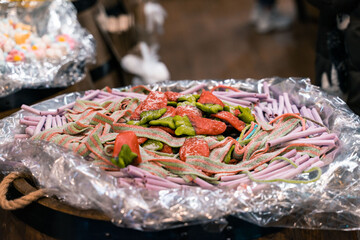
{"x": 196, "y": 96}
{"x": 187, "y": 98}
{"x": 131, "y": 122}
{"x": 125, "y": 157}
{"x": 154, "y": 145}
{"x": 209, "y": 108}
{"x": 173, "y": 104}
{"x": 186, "y": 103}
{"x": 245, "y": 115}
{"x": 220, "y": 137}
{"x": 227, "y": 158}
{"x": 165, "y": 122}
{"x": 147, "y": 116}
{"x": 183, "y": 126}
{"x": 137, "y": 123}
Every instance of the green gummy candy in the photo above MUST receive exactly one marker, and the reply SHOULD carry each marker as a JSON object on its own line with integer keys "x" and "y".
{"x": 165, "y": 122}
{"x": 147, "y": 116}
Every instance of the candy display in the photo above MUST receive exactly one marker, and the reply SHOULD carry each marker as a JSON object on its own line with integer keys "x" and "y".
{"x": 222, "y": 137}
{"x": 287, "y": 151}
{"x": 20, "y": 42}
{"x": 42, "y": 46}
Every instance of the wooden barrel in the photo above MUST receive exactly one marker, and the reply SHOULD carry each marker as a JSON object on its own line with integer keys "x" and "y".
{"x": 49, "y": 218}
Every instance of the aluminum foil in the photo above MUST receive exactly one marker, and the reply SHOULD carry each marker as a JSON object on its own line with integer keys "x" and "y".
{"x": 51, "y": 18}
{"x": 332, "y": 202}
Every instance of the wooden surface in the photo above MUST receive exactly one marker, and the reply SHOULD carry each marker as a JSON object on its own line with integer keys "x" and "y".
{"x": 213, "y": 39}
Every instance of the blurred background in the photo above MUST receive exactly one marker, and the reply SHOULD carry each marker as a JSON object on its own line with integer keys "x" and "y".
{"x": 148, "y": 41}
{"x": 197, "y": 39}
{"x": 215, "y": 39}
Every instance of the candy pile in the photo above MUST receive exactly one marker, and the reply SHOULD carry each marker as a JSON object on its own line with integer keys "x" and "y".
{"x": 218, "y": 138}
{"x": 19, "y": 42}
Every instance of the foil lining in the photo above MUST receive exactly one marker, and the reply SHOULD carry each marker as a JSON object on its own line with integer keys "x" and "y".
{"x": 51, "y": 18}
{"x": 332, "y": 202}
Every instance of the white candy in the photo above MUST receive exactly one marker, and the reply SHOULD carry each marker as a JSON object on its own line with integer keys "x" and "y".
{"x": 9, "y": 45}
{"x": 53, "y": 53}
{"x": 46, "y": 39}
{"x": 61, "y": 47}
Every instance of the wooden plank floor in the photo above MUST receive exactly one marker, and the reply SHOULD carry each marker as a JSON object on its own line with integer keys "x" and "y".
{"x": 213, "y": 39}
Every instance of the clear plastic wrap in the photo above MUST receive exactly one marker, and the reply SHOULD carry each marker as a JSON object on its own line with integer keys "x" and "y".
{"x": 332, "y": 202}
{"x": 62, "y": 65}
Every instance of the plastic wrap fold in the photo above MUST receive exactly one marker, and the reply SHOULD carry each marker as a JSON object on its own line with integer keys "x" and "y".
{"x": 50, "y": 18}
{"x": 332, "y": 202}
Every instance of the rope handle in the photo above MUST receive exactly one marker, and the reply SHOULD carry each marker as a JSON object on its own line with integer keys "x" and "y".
{"x": 19, "y": 202}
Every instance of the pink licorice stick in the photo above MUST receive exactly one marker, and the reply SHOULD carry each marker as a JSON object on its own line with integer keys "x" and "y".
{"x": 111, "y": 98}
{"x": 295, "y": 109}
{"x": 324, "y": 136}
{"x": 295, "y": 171}
{"x": 32, "y": 118}
{"x": 30, "y": 109}
{"x": 266, "y": 88}
{"x": 107, "y": 94}
{"x": 287, "y": 103}
{"x": 304, "y": 111}
{"x": 240, "y": 94}
{"x": 266, "y": 110}
{"x": 293, "y": 136}
{"x": 121, "y": 182}
{"x": 40, "y": 125}
{"x": 53, "y": 122}
{"x": 251, "y": 99}
{"x": 177, "y": 180}
{"x": 320, "y": 142}
{"x": 58, "y": 120}
{"x": 194, "y": 89}
{"x": 327, "y": 136}
{"x": 262, "y": 95}
{"x": 278, "y": 173}
{"x": 233, "y": 103}
{"x": 63, "y": 120}
{"x": 28, "y": 122}
{"x": 281, "y": 105}
{"x": 317, "y": 164}
{"x": 90, "y": 96}
{"x": 235, "y": 100}
{"x": 46, "y": 113}
{"x": 289, "y": 154}
{"x": 129, "y": 94}
{"x": 259, "y": 113}
{"x": 48, "y": 121}
{"x": 67, "y": 106}
{"x": 30, "y": 130}
{"x": 86, "y": 97}
{"x": 281, "y": 166}
{"x": 142, "y": 171}
{"x": 316, "y": 115}
{"x": 134, "y": 172}
{"x": 203, "y": 183}
{"x": 275, "y": 107}
{"x": 166, "y": 184}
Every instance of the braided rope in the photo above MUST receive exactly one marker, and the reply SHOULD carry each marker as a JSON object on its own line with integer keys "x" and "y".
{"x": 19, "y": 202}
